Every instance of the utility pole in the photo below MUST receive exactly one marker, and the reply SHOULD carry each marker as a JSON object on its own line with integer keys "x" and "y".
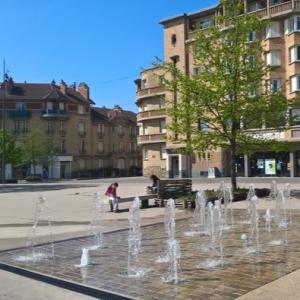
{"x": 3, "y": 123}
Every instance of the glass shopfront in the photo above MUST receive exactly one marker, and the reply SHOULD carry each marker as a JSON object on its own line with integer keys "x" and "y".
{"x": 270, "y": 164}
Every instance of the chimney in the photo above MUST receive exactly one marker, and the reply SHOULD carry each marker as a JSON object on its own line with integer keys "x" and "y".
{"x": 73, "y": 86}
{"x": 84, "y": 90}
{"x": 53, "y": 84}
{"x": 63, "y": 87}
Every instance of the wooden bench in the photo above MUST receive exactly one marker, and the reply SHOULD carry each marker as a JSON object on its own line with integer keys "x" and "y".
{"x": 144, "y": 200}
{"x": 174, "y": 188}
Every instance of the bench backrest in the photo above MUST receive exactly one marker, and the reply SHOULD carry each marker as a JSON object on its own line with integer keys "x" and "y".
{"x": 173, "y": 188}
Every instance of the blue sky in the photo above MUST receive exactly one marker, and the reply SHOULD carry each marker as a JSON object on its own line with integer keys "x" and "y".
{"x": 103, "y": 43}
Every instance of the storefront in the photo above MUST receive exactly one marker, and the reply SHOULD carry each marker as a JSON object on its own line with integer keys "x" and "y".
{"x": 270, "y": 164}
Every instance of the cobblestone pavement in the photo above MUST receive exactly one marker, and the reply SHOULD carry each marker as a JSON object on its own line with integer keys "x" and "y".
{"x": 241, "y": 273}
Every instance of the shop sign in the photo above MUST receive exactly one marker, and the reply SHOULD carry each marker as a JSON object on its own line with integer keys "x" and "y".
{"x": 269, "y": 135}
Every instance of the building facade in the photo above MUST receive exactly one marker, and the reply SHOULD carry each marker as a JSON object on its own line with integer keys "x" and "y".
{"x": 281, "y": 41}
{"x": 82, "y": 134}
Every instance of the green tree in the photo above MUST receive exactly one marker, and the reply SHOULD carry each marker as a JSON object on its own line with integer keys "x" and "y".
{"x": 228, "y": 96}
{"x": 37, "y": 149}
{"x": 13, "y": 153}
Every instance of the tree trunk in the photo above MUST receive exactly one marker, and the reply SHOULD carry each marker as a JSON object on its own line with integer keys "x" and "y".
{"x": 233, "y": 167}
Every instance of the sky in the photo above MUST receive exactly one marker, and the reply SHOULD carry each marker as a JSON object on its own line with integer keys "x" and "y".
{"x": 104, "y": 43}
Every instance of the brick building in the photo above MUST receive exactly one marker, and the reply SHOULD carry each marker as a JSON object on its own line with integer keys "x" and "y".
{"x": 280, "y": 40}
{"x": 85, "y": 136}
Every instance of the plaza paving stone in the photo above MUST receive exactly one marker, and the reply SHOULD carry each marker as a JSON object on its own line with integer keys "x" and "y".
{"x": 108, "y": 266}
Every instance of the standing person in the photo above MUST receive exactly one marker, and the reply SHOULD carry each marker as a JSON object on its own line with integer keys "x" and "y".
{"x": 154, "y": 185}
{"x": 111, "y": 193}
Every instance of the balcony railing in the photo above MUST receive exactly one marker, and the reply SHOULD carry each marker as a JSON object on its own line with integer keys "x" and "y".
{"x": 151, "y": 114}
{"x": 54, "y": 113}
{"x": 62, "y": 132}
{"x": 150, "y": 91}
{"x": 49, "y": 131}
{"x": 152, "y": 138}
{"x": 19, "y": 131}
{"x": 82, "y": 151}
{"x": 82, "y": 134}
{"x": 100, "y": 135}
{"x": 20, "y": 114}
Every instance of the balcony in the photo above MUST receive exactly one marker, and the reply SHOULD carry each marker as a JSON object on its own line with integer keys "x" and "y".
{"x": 82, "y": 151}
{"x": 151, "y": 114}
{"x": 20, "y": 114}
{"x": 100, "y": 135}
{"x": 50, "y": 132}
{"x": 149, "y": 92}
{"x": 82, "y": 134}
{"x": 54, "y": 113}
{"x": 152, "y": 138}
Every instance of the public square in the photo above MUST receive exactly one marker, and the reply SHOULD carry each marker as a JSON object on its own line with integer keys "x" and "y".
{"x": 70, "y": 205}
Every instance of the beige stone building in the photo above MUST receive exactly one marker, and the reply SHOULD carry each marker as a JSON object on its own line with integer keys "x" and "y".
{"x": 88, "y": 141}
{"x": 281, "y": 40}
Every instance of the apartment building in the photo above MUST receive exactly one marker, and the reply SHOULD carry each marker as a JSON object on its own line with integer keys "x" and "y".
{"x": 281, "y": 41}
{"x": 81, "y": 133}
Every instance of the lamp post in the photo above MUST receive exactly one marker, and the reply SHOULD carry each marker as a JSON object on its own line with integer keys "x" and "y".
{"x": 3, "y": 115}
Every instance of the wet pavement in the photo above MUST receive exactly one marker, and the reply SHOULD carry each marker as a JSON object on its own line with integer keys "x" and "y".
{"x": 242, "y": 271}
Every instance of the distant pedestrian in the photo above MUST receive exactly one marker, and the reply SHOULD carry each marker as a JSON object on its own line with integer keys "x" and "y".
{"x": 113, "y": 199}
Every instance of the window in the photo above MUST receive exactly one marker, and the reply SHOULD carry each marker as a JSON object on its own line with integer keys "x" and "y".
{"x": 81, "y": 164}
{"x": 80, "y": 109}
{"x": 205, "y": 23}
{"x": 20, "y": 126}
{"x": 121, "y": 146}
{"x": 273, "y": 30}
{"x": 61, "y": 106}
{"x": 173, "y": 39}
{"x": 196, "y": 71}
{"x": 81, "y": 128}
{"x": 251, "y": 36}
{"x": 20, "y": 105}
{"x": 61, "y": 125}
{"x": 162, "y": 103}
{"x": 145, "y": 153}
{"x": 162, "y": 126}
{"x": 163, "y": 152}
{"x": 132, "y": 131}
{"x": 100, "y": 147}
{"x": 292, "y": 24}
{"x": 82, "y": 146}
{"x": 295, "y": 83}
{"x": 295, "y": 53}
{"x": 50, "y": 126}
{"x": 295, "y": 113}
{"x": 120, "y": 130}
{"x": 254, "y": 6}
{"x": 203, "y": 126}
{"x": 144, "y": 83}
{"x": 273, "y": 58}
{"x": 49, "y": 106}
{"x": 62, "y": 146}
{"x": 273, "y": 85}
{"x": 121, "y": 163}
{"x": 146, "y": 131}
{"x": 100, "y": 163}
{"x": 100, "y": 128}
{"x": 253, "y": 93}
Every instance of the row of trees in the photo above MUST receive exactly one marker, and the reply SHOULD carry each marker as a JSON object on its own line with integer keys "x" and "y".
{"x": 31, "y": 150}
{"x": 227, "y": 96}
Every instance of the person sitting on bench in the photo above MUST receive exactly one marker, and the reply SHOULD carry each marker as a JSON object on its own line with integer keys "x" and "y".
{"x": 153, "y": 188}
